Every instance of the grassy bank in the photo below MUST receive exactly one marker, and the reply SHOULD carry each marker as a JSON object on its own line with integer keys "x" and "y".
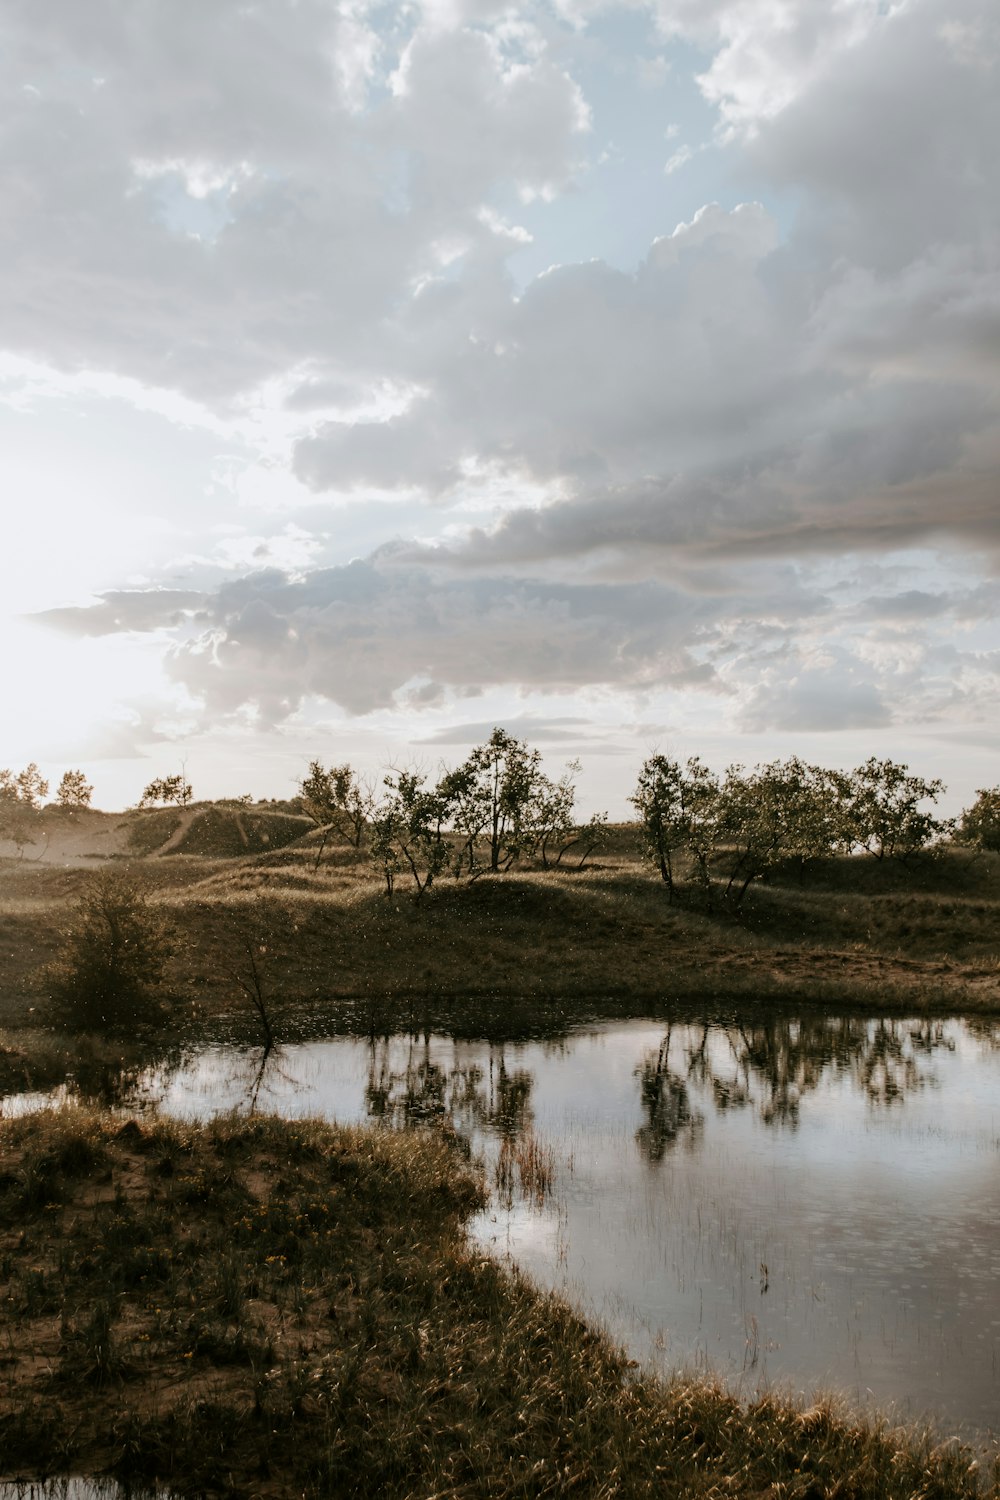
{"x": 852, "y": 934}
{"x": 258, "y": 1307}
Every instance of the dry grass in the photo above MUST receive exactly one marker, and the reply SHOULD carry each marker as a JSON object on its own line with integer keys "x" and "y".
{"x": 268, "y": 1308}
{"x": 850, "y": 934}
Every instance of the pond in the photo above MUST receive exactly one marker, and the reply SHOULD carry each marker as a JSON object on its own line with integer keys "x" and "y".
{"x": 797, "y": 1204}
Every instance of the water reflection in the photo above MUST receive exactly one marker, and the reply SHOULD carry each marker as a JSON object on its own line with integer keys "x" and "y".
{"x": 808, "y": 1201}
{"x": 771, "y": 1068}
{"x": 417, "y": 1088}
{"x": 666, "y": 1105}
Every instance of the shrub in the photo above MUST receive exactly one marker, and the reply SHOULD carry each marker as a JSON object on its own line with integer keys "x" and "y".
{"x": 113, "y": 956}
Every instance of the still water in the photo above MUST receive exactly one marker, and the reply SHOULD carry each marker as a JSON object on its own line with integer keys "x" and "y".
{"x": 795, "y": 1205}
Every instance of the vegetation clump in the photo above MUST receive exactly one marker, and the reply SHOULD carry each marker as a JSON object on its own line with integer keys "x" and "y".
{"x": 980, "y": 823}
{"x": 266, "y": 1307}
{"x": 113, "y": 955}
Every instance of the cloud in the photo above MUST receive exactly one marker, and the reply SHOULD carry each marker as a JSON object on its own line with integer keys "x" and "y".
{"x": 123, "y": 610}
{"x": 361, "y": 635}
{"x": 820, "y": 699}
{"x": 558, "y": 731}
{"x": 209, "y": 198}
{"x": 773, "y": 650}
{"x": 885, "y": 181}
{"x": 767, "y": 53}
{"x": 633, "y": 475}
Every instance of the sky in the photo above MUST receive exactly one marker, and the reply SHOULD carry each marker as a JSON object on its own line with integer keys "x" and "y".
{"x": 373, "y": 373}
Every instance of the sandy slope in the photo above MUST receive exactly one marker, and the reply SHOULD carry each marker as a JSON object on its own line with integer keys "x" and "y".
{"x": 74, "y": 839}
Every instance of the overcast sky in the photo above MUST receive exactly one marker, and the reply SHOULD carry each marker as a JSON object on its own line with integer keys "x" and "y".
{"x": 623, "y": 373}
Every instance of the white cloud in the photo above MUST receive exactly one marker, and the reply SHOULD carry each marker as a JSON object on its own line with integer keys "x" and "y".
{"x": 287, "y": 233}
{"x": 678, "y": 159}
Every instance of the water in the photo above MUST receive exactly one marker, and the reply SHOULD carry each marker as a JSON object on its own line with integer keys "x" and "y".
{"x": 801, "y": 1205}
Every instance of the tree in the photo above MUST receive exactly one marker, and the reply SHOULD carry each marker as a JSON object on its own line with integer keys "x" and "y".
{"x": 979, "y": 824}
{"x": 590, "y": 835}
{"x": 782, "y": 810}
{"x": 882, "y": 812}
{"x": 338, "y": 801}
{"x": 679, "y": 809}
{"x": 21, "y": 796}
{"x": 113, "y": 955}
{"x": 551, "y": 815}
{"x": 258, "y": 927}
{"x": 408, "y": 831}
{"x": 490, "y": 797}
{"x": 549, "y": 821}
{"x": 657, "y": 800}
{"x": 175, "y": 789}
{"x": 31, "y": 786}
{"x": 74, "y": 790}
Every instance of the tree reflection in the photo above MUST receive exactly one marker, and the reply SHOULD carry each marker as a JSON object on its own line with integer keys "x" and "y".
{"x": 134, "y": 1076}
{"x": 772, "y": 1066}
{"x": 420, "y": 1089}
{"x": 666, "y": 1104}
{"x": 263, "y": 1070}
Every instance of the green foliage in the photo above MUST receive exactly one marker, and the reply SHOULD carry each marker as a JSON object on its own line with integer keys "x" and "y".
{"x": 338, "y": 801}
{"x": 113, "y": 955}
{"x": 175, "y": 789}
{"x": 882, "y": 811}
{"x": 782, "y": 810}
{"x": 74, "y": 790}
{"x": 979, "y": 824}
{"x": 408, "y": 831}
{"x": 490, "y": 797}
{"x": 501, "y": 798}
{"x": 679, "y": 809}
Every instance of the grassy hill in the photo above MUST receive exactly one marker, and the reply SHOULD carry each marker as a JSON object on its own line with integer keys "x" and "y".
{"x": 846, "y": 933}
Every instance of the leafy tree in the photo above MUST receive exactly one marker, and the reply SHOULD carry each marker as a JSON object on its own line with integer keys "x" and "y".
{"x": 491, "y": 797}
{"x": 776, "y": 811}
{"x": 31, "y": 786}
{"x": 113, "y": 955}
{"x": 408, "y": 831}
{"x": 338, "y": 801}
{"x": 584, "y": 838}
{"x": 657, "y": 800}
{"x": 74, "y": 790}
{"x": 979, "y": 824}
{"x": 679, "y": 809}
{"x": 551, "y": 816}
{"x": 382, "y": 849}
{"x": 21, "y": 796}
{"x": 467, "y": 810}
{"x": 882, "y": 811}
{"x": 175, "y": 789}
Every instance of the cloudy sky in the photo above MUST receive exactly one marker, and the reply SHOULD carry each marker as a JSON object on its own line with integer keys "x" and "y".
{"x": 374, "y": 372}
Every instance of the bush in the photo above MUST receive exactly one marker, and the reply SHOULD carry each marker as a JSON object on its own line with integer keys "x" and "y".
{"x": 113, "y": 956}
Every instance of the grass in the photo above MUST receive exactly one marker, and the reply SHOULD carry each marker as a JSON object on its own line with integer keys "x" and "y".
{"x": 539, "y": 946}
{"x": 272, "y": 1308}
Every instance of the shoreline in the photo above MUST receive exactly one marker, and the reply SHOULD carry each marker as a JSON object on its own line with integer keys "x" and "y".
{"x": 258, "y": 1306}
